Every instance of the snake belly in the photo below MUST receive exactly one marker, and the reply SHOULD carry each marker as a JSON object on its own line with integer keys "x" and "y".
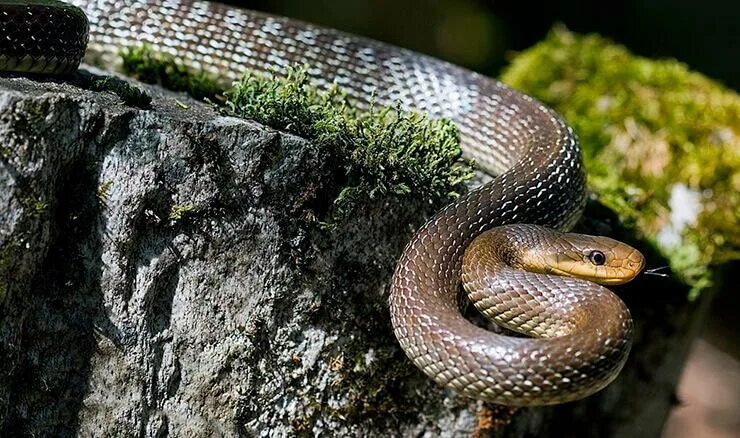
{"x": 534, "y": 153}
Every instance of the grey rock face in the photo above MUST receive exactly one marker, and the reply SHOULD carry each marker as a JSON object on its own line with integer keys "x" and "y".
{"x": 163, "y": 269}
{"x": 164, "y": 272}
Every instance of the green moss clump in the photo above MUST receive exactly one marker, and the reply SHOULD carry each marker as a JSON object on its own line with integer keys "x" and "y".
{"x": 151, "y": 67}
{"x": 128, "y": 93}
{"x": 32, "y": 206}
{"x": 104, "y": 191}
{"x": 649, "y": 129}
{"x": 383, "y": 151}
{"x": 380, "y": 151}
{"x": 177, "y": 212}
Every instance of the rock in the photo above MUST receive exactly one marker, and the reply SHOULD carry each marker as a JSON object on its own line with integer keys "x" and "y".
{"x": 164, "y": 270}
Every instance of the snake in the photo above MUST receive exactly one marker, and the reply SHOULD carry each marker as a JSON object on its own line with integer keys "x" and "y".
{"x": 566, "y": 335}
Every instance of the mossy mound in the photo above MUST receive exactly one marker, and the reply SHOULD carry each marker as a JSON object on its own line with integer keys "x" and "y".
{"x": 381, "y": 151}
{"x": 151, "y": 67}
{"x": 661, "y": 143}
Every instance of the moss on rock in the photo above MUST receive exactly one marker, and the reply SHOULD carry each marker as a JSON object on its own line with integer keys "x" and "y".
{"x": 383, "y": 151}
{"x": 151, "y": 67}
{"x": 661, "y": 143}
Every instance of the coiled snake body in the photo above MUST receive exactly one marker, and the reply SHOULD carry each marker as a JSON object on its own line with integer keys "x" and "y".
{"x": 582, "y": 331}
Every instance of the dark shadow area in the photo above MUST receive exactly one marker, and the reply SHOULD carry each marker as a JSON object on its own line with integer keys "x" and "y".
{"x": 481, "y": 33}
{"x": 63, "y": 311}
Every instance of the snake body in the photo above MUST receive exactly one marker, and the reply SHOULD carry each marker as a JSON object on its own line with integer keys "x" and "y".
{"x": 41, "y": 36}
{"x": 540, "y": 181}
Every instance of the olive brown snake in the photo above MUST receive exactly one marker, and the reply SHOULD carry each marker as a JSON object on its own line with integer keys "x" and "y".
{"x": 580, "y": 333}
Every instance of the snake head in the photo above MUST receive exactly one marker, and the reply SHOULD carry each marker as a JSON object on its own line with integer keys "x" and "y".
{"x": 595, "y": 258}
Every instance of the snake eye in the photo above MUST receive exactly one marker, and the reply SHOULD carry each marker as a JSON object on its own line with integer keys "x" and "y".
{"x": 597, "y": 257}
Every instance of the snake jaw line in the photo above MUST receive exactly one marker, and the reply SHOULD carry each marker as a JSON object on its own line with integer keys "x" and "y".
{"x": 546, "y": 251}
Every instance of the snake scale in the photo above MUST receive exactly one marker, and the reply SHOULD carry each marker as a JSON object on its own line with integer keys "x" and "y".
{"x": 579, "y": 332}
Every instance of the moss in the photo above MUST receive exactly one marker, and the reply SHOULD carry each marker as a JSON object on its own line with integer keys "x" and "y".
{"x": 128, "y": 93}
{"x": 104, "y": 191}
{"x": 177, "y": 212}
{"x": 156, "y": 68}
{"x": 381, "y": 152}
{"x": 32, "y": 206}
{"x": 654, "y": 135}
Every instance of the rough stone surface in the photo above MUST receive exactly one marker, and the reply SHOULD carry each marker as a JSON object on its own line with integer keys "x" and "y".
{"x": 163, "y": 271}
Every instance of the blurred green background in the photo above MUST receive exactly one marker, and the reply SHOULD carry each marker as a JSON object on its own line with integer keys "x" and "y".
{"x": 481, "y": 34}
